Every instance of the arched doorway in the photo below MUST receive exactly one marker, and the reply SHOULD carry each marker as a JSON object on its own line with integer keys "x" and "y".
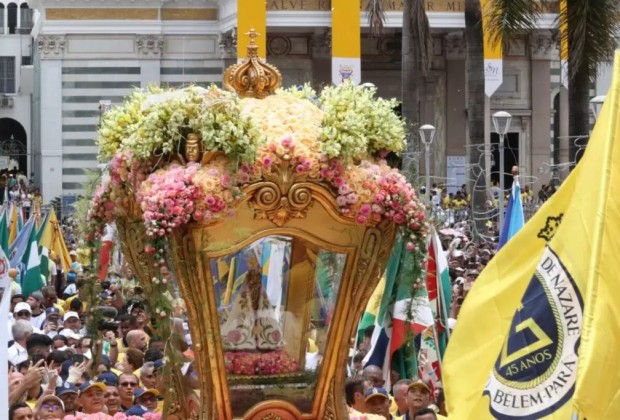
{"x": 13, "y": 148}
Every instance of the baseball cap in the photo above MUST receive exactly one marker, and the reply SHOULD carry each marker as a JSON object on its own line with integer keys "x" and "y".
{"x": 420, "y": 384}
{"x": 375, "y": 393}
{"x": 22, "y": 306}
{"x": 45, "y": 398}
{"x": 136, "y": 410}
{"x": 66, "y": 389}
{"x": 70, "y": 314}
{"x": 73, "y": 253}
{"x": 66, "y": 332}
{"x": 52, "y": 311}
{"x": 142, "y": 391}
{"x": 158, "y": 364}
{"x": 90, "y": 384}
{"x": 108, "y": 378}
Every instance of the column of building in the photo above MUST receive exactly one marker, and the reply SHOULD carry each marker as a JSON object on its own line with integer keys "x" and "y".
{"x": 543, "y": 49}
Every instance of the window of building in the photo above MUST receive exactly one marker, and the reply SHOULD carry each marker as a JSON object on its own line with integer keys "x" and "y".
{"x": 26, "y": 20}
{"x": 1, "y": 18}
{"x": 7, "y": 74}
{"x": 12, "y": 17}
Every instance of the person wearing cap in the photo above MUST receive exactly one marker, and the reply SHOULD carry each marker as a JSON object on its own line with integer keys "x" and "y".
{"x": 418, "y": 397}
{"x": 68, "y": 394}
{"x": 22, "y": 312}
{"x": 49, "y": 407}
{"x": 71, "y": 321}
{"x": 90, "y": 397}
{"x": 146, "y": 397}
{"x": 71, "y": 288}
{"x": 35, "y": 300}
{"x": 378, "y": 402}
{"x": 71, "y": 336}
{"x": 53, "y": 321}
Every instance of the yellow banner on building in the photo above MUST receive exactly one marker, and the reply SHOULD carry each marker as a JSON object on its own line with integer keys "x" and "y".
{"x": 564, "y": 42}
{"x": 346, "y": 41}
{"x": 493, "y": 52}
{"x": 251, "y": 14}
{"x": 540, "y": 325}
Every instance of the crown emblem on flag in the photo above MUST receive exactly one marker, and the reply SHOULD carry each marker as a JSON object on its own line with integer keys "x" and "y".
{"x": 551, "y": 227}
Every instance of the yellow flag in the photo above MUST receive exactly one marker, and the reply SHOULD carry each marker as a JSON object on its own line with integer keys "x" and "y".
{"x": 597, "y": 252}
{"x": 523, "y": 348}
{"x": 13, "y": 228}
{"x": 52, "y": 239}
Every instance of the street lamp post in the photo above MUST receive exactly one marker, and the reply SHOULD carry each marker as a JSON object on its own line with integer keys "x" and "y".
{"x": 427, "y": 134}
{"x": 501, "y": 121}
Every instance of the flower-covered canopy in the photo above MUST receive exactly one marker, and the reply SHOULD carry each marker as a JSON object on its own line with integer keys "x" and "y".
{"x": 186, "y": 156}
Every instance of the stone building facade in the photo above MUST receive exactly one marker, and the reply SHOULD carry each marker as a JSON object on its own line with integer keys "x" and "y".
{"x": 85, "y": 54}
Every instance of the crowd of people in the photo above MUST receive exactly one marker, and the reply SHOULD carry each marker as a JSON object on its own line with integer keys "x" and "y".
{"x": 420, "y": 397}
{"x": 57, "y": 371}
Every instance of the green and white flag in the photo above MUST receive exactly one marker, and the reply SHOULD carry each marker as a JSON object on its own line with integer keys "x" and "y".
{"x": 31, "y": 270}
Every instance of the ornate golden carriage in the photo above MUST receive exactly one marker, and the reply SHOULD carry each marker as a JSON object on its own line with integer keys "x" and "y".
{"x": 273, "y": 293}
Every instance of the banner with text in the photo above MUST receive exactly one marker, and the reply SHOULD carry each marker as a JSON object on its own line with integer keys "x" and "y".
{"x": 564, "y": 42}
{"x": 493, "y": 52}
{"x": 346, "y": 42}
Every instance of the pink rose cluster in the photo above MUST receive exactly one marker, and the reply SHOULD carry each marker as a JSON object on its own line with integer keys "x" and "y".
{"x": 174, "y": 196}
{"x": 270, "y": 363}
{"x": 301, "y": 155}
{"x": 102, "y": 208}
{"x": 126, "y": 176}
{"x": 169, "y": 199}
{"x": 371, "y": 192}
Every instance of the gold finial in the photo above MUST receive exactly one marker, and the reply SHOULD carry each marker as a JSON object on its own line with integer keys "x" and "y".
{"x": 253, "y": 77}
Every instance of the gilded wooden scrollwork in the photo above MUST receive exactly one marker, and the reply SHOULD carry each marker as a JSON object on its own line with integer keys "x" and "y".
{"x": 283, "y": 195}
{"x": 330, "y": 404}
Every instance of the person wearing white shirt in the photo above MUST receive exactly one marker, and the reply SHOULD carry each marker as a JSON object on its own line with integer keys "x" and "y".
{"x": 21, "y": 330}
{"x": 23, "y": 312}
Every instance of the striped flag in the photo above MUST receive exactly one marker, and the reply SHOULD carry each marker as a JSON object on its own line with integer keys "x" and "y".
{"x": 5, "y": 303}
{"x": 412, "y": 309}
{"x": 439, "y": 287}
{"x": 31, "y": 270}
{"x": 20, "y": 245}
{"x": 14, "y": 224}
{"x": 4, "y": 231}
{"x": 564, "y": 43}
{"x": 428, "y": 346}
{"x": 514, "y": 220}
{"x": 493, "y": 53}
{"x": 369, "y": 317}
{"x": 346, "y": 42}
{"x": 404, "y": 313}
